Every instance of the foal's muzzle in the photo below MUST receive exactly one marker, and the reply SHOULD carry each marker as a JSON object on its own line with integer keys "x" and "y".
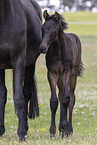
{"x": 43, "y": 48}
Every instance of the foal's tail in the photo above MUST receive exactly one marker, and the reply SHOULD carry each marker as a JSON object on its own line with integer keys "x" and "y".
{"x": 33, "y": 102}
{"x": 81, "y": 69}
{"x": 81, "y": 66}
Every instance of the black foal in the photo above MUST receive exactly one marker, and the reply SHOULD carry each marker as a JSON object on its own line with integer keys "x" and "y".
{"x": 63, "y": 61}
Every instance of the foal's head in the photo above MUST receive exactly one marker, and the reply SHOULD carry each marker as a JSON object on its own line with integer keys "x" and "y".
{"x": 50, "y": 29}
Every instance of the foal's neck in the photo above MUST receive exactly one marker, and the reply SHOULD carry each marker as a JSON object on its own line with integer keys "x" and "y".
{"x": 62, "y": 43}
{"x": 59, "y": 44}
{"x": 61, "y": 39}
{"x": 56, "y": 46}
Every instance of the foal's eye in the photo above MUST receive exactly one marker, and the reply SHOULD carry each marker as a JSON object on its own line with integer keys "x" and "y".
{"x": 48, "y": 29}
{"x": 54, "y": 33}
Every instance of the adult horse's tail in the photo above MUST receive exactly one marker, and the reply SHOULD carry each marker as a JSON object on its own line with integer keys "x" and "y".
{"x": 33, "y": 102}
{"x": 31, "y": 97}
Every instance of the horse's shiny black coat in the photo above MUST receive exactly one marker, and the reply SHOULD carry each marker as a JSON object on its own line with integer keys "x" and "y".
{"x": 20, "y": 37}
{"x": 63, "y": 61}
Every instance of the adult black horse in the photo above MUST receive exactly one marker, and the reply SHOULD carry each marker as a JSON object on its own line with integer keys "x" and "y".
{"x": 20, "y": 37}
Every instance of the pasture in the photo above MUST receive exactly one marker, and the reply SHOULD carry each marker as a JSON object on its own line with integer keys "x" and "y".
{"x": 85, "y": 110}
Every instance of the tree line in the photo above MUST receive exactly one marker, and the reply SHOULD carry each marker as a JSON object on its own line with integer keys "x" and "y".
{"x": 79, "y": 4}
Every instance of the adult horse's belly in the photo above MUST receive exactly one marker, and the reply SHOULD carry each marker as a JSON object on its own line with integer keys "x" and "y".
{"x": 5, "y": 62}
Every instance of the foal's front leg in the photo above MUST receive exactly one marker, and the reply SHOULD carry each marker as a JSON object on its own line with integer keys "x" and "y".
{"x": 65, "y": 99}
{"x": 53, "y": 102}
{"x": 19, "y": 68}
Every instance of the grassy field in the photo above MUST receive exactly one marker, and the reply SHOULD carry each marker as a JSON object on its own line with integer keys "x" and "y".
{"x": 85, "y": 110}
{"x": 84, "y": 17}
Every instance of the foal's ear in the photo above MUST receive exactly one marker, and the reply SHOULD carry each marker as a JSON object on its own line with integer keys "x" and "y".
{"x": 45, "y": 15}
{"x": 57, "y": 16}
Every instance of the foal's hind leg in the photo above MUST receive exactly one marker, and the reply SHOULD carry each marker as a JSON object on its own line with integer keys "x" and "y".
{"x": 72, "y": 102}
{"x": 3, "y": 98}
{"x": 53, "y": 102}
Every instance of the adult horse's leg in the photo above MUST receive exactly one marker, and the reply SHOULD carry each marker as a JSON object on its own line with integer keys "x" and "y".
{"x": 3, "y": 98}
{"x": 30, "y": 91}
{"x": 53, "y": 101}
{"x": 65, "y": 101}
{"x": 72, "y": 102}
{"x": 19, "y": 99}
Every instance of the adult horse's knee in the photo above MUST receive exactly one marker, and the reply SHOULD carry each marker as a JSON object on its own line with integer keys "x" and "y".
{"x": 19, "y": 102}
{"x": 54, "y": 104}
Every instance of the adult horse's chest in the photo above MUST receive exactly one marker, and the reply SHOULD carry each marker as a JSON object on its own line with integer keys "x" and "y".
{"x": 10, "y": 46}
{"x": 12, "y": 41}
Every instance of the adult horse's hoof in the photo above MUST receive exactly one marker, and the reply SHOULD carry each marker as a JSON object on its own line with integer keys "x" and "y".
{"x": 2, "y": 130}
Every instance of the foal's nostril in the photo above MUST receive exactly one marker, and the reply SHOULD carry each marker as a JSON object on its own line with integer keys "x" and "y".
{"x": 43, "y": 48}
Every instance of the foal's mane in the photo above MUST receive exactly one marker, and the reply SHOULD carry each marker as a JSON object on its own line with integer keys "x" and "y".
{"x": 63, "y": 22}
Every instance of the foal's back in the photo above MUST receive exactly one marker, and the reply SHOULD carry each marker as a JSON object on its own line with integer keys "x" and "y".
{"x": 55, "y": 56}
{"x": 75, "y": 47}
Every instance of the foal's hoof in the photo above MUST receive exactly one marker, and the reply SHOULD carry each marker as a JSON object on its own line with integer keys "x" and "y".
{"x": 64, "y": 134}
{"x": 22, "y": 139}
{"x": 70, "y": 133}
{"x": 60, "y": 129}
{"x": 70, "y": 130}
{"x": 52, "y": 131}
{"x": 52, "y": 135}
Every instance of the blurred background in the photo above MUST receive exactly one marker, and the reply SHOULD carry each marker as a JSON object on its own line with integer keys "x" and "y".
{"x": 68, "y": 5}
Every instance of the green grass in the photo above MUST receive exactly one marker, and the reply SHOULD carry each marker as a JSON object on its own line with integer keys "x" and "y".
{"x": 85, "y": 110}
{"x": 80, "y": 17}
{"x": 82, "y": 29}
